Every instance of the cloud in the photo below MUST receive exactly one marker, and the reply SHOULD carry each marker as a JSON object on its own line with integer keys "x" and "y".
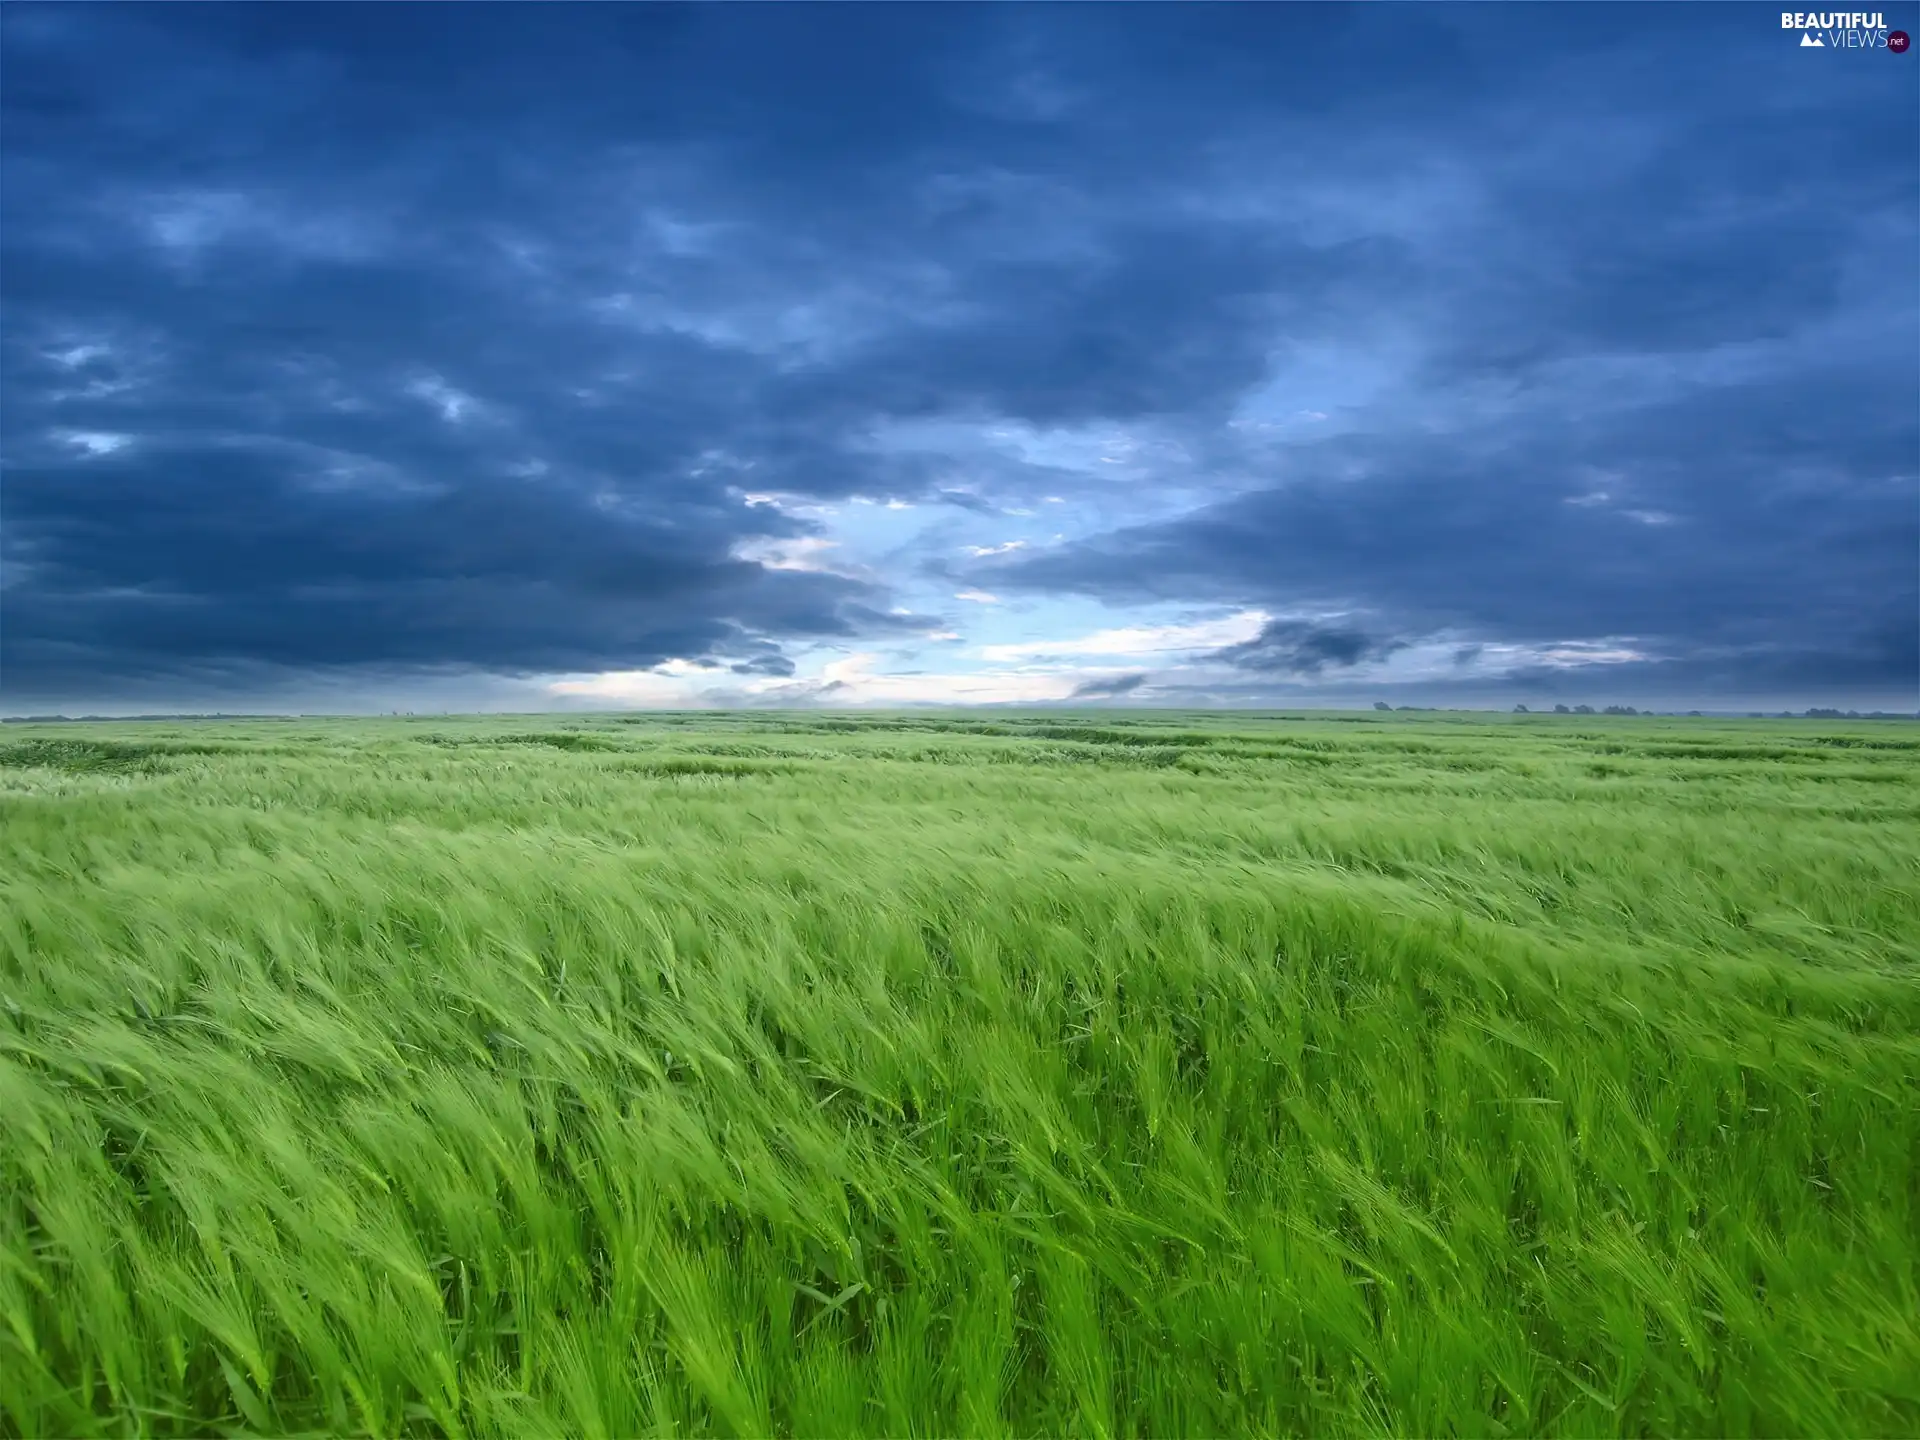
{"x": 1785, "y": 526}
{"x": 360, "y": 345}
{"x": 454, "y": 406}
{"x": 851, "y": 681}
{"x": 1299, "y": 647}
{"x": 805, "y": 552}
{"x": 764, "y": 659}
{"x": 95, "y": 442}
{"x": 1108, "y": 689}
{"x": 1138, "y": 639}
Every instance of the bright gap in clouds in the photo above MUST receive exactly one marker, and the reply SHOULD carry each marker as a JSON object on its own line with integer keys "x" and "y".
{"x": 850, "y": 680}
{"x": 1038, "y": 671}
{"x": 1141, "y": 639}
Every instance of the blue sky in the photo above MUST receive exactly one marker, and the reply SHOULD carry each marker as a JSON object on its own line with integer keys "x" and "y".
{"x": 542, "y": 356}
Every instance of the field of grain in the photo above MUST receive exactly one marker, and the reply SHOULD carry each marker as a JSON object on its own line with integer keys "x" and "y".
{"x": 960, "y": 1075}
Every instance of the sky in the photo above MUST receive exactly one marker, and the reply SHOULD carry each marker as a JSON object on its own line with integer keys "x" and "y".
{"x": 424, "y": 357}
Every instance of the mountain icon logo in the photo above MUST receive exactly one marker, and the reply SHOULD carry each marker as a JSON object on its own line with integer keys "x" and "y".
{"x": 1812, "y": 42}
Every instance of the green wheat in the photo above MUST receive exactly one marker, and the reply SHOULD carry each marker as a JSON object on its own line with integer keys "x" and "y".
{"x": 947, "y": 1075}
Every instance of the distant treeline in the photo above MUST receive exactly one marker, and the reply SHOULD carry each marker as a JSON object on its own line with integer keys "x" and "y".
{"x": 1813, "y": 714}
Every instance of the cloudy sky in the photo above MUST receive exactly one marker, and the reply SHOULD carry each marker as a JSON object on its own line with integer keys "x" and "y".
{"x": 531, "y": 357}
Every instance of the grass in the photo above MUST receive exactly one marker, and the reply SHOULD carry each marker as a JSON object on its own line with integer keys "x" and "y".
{"x": 815, "y": 1075}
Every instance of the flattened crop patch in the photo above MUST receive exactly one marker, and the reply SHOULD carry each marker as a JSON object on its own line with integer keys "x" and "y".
{"x": 554, "y": 740}
{"x": 675, "y": 766}
{"x": 102, "y": 757}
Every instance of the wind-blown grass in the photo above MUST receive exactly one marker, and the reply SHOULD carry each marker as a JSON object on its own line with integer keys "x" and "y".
{"x": 930, "y": 1075}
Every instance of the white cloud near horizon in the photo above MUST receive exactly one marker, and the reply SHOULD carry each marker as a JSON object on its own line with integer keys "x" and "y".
{"x": 1233, "y": 629}
{"x": 850, "y": 680}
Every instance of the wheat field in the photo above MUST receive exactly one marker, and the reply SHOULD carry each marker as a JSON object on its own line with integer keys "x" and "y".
{"x": 960, "y": 1074}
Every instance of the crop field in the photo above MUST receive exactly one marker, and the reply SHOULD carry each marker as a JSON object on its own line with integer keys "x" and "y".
{"x": 932, "y": 1074}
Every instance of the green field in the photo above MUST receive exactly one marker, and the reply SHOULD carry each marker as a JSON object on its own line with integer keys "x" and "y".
{"x": 960, "y": 1075}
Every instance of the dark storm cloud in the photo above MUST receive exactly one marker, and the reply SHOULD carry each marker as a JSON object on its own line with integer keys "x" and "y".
{"x": 452, "y": 339}
{"x": 1752, "y": 530}
{"x": 1667, "y": 396}
{"x": 1165, "y": 320}
{"x": 768, "y": 662}
{"x": 1109, "y": 689}
{"x": 1299, "y": 647}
